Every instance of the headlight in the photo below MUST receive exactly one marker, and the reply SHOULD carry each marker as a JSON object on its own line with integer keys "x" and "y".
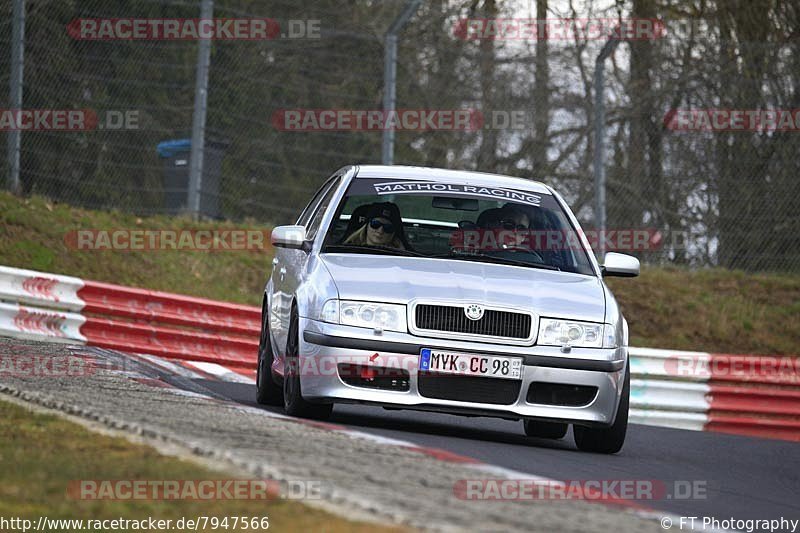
{"x": 555, "y": 332}
{"x": 391, "y": 317}
{"x": 330, "y": 312}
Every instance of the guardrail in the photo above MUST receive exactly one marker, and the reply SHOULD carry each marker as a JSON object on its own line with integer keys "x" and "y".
{"x": 66, "y": 309}
{"x": 749, "y": 395}
{"x": 742, "y": 394}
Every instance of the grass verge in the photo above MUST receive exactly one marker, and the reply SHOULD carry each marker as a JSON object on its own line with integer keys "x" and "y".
{"x": 33, "y": 235}
{"x": 40, "y": 454}
{"x": 711, "y": 310}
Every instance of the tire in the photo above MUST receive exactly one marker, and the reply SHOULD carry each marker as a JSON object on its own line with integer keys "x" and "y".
{"x": 293, "y": 402}
{"x": 607, "y": 440}
{"x": 545, "y": 430}
{"x": 267, "y": 391}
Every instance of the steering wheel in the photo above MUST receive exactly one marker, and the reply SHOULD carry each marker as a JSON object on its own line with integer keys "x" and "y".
{"x": 523, "y": 250}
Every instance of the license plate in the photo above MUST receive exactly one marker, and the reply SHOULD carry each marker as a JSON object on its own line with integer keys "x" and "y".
{"x": 470, "y": 364}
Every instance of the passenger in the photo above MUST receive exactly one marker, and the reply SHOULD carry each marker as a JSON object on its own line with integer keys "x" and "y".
{"x": 383, "y": 228}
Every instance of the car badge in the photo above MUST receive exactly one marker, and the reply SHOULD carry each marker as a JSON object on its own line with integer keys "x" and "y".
{"x": 474, "y": 311}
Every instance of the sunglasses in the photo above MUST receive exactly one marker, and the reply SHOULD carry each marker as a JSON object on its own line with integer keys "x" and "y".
{"x": 510, "y": 225}
{"x": 388, "y": 227}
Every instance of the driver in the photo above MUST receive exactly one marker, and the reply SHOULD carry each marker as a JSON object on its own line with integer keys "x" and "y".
{"x": 382, "y": 228}
{"x": 516, "y": 222}
{"x": 513, "y": 220}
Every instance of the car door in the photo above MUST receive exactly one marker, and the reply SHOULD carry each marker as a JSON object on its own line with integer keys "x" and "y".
{"x": 289, "y": 265}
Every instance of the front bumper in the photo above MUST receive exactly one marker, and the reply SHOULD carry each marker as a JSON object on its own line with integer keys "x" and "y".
{"x": 323, "y": 346}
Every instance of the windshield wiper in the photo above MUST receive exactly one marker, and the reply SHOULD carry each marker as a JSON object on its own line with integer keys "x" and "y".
{"x": 495, "y": 259}
{"x": 385, "y": 250}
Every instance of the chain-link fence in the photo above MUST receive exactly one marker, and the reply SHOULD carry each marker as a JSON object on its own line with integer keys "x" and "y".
{"x": 704, "y": 196}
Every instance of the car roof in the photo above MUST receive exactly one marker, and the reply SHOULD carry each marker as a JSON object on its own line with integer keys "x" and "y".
{"x": 400, "y": 173}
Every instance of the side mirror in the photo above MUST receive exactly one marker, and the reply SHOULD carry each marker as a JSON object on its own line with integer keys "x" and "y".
{"x": 293, "y": 237}
{"x": 621, "y": 265}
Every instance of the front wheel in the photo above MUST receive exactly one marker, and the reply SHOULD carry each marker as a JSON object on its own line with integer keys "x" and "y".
{"x": 267, "y": 391}
{"x": 607, "y": 440}
{"x": 293, "y": 401}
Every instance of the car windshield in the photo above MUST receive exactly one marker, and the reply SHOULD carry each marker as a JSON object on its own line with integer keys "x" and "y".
{"x": 456, "y": 221}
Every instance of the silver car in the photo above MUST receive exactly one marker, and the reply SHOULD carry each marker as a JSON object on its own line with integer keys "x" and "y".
{"x": 447, "y": 291}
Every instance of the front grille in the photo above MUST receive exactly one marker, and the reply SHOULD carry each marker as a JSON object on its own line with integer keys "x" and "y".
{"x": 452, "y": 319}
{"x": 561, "y": 394}
{"x": 468, "y": 388}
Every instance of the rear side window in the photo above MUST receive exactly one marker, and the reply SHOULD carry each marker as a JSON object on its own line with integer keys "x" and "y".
{"x": 310, "y": 209}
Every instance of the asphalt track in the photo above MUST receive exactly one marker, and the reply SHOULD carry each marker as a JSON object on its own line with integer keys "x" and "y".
{"x": 743, "y": 477}
{"x": 359, "y": 476}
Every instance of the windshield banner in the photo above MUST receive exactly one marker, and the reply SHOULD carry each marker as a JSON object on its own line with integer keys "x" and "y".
{"x": 383, "y": 187}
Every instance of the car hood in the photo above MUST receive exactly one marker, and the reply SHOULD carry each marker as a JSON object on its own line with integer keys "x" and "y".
{"x": 401, "y": 279}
